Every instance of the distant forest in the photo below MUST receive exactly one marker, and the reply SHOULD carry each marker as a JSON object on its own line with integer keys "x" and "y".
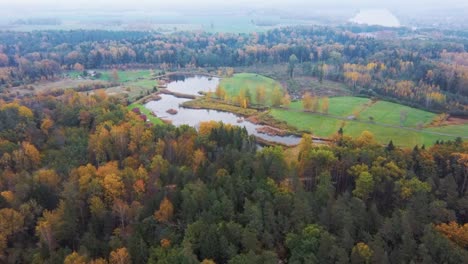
{"x": 409, "y": 67}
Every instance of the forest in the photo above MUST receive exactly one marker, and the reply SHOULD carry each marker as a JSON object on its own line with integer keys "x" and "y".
{"x": 88, "y": 178}
{"x": 425, "y": 72}
{"x": 85, "y": 180}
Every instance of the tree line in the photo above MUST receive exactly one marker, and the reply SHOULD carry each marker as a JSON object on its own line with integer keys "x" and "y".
{"x": 429, "y": 74}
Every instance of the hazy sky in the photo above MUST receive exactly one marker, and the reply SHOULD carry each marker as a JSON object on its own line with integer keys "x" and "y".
{"x": 142, "y": 4}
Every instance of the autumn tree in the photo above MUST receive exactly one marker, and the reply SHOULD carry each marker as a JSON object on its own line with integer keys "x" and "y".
{"x": 307, "y": 101}
{"x": 75, "y": 258}
{"x": 260, "y": 94}
{"x": 361, "y": 253}
{"x": 455, "y": 232}
{"x": 276, "y": 96}
{"x": 325, "y": 105}
{"x": 121, "y": 210}
{"x": 315, "y": 104}
{"x": 198, "y": 159}
{"x": 27, "y": 157}
{"x": 286, "y": 101}
{"x": 120, "y": 256}
{"x": 11, "y": 222}
{"x": 243, "y": 98}
{"x": 49, "y": 226}
{"x": 165, "y": 212}
{"x": 47, "y": 177}
{"x": 46, "y": 125}
{"x": 220, "y": 92}
{"x": 366, "y": 139}
{"x": 78, "y": 67}
{"x": 119, "y": 140}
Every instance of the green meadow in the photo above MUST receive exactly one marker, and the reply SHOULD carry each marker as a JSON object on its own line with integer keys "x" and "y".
{"x": 250, "y": 82}
{"x": 387, "y": 124}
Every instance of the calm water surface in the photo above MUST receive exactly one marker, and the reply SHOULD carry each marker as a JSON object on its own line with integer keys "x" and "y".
{"x": 192, "y": 117}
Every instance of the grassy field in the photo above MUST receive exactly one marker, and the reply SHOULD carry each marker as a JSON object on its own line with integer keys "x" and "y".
{"x": 461, "y": 130}
{"x": 386, "y": 117}
{"x": 126, "y": 76}
{"x": 301, "y": 82}
{"x": 339, "y": 106}
{"x": 133, "y": 83}
{"x": 389, "y": 113}
{"x": 249, "y": 81}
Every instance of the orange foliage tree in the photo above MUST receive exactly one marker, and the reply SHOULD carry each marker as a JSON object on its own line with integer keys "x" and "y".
{"x": 165, "y": 212}
{"x": 455, "y": 232}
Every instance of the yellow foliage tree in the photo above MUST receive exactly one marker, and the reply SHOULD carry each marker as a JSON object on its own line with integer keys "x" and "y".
{"x": 11, "y": 221}
{"x": 242, "y": 99}
{"x": 165, "y": 212}
{"x": 220, "y": 92}
{"x": 120, "y": 256}
{"x": 307, "y": 101}
{"x": 325, "y": 105}
{"x": 361, "y": 253}
{"x": 113, "y": 186}
{"x": 206, "y": 127}
{"x": 75, "y": 258}
{"x": 46, "y": 125}
{"x": 365, "y": 139}
{"x": 260, "y": 94}
{"x": 276, "y": 96}
{"x": 315, "y": 104}
{"x": 47, "y": 177}
{"x": 198, "y": 159}
{"x": 286, "y": 101}
{"x": 27, "y": 157}
{"x": 97, "y": 206}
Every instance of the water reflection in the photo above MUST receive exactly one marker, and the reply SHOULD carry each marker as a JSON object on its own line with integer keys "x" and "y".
{"x": 193, "y": 117}
{"x": 192, "y": 84}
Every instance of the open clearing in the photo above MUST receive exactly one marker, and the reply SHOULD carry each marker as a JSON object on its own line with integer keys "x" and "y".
{"x": 387, "y": 118}
{"x": 133, "y": 83}
{"x": 251, "y": 82}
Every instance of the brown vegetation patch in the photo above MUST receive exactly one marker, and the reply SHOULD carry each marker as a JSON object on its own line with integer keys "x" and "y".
{"x": 271, "y": 131}
{"x": 454, "y": 121}
{"x": 61, "y": 85}
{"x": 172, "y": 111}
{"x": 150, "y": 98}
